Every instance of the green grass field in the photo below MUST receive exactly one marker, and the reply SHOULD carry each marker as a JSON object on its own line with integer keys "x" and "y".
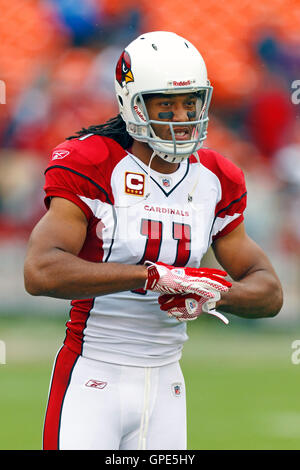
{"x": 242, "y": 388}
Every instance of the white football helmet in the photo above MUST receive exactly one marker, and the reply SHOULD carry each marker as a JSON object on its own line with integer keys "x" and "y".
{"x": 162, "y": 62}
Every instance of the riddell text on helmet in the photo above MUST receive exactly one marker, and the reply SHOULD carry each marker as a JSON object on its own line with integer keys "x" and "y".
{"x": 139, "y": 113}
{"x": 182, "y": 83}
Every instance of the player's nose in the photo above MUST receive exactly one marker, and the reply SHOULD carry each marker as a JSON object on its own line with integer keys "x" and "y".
{"x": 180, "y": 113}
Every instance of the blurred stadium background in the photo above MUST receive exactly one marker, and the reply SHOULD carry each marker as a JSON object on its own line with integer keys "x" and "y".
{"x": 57, "y": 61}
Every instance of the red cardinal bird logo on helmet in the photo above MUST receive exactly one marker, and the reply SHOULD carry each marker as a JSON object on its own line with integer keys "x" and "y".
{"x": 123, "y": 70}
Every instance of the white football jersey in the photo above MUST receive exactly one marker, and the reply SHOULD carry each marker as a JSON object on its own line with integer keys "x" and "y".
{"x": 136, "y": 215}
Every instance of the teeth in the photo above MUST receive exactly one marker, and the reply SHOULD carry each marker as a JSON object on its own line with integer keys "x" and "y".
{"x": 180, "y": 133}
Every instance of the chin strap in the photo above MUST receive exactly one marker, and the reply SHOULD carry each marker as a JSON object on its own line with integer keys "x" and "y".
{"x": 190, "y": 195}
{"x": 149, "y": 175}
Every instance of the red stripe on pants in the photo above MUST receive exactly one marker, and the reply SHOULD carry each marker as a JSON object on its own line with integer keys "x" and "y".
{"x": 61, "y": 377}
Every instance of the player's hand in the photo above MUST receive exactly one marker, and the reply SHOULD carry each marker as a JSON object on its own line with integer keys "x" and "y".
{"x": 168, "y": 279}
{"x": 190, "y": 306}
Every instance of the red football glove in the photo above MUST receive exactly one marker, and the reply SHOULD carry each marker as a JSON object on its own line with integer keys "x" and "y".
{"x": 190, "y": 306}
{"x": 168, "y": 279}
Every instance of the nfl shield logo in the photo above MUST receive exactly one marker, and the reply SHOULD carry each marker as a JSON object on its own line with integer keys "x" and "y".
{"x": 176, "y": 389}
{"x": 166, "y": 181}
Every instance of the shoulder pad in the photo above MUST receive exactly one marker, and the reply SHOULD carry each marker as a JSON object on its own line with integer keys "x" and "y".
{"x": 224, "y": 168}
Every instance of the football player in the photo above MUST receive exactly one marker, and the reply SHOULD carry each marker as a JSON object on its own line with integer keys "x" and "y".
{"x": 133, "y": 205}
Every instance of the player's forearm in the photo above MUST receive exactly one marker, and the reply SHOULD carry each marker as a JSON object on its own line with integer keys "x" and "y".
{"x": 63, "y": 275}
{"x": 257, "y": 295}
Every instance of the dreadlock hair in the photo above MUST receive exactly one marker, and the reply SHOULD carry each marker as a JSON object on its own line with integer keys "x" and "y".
{"x": 115, "y": 128}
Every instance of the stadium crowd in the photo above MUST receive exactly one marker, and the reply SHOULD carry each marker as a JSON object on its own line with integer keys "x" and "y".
{"x": 57, "y": 61}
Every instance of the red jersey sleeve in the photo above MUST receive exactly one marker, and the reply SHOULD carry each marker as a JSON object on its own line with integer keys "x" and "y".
{"x": 80, "y": 170}
{"x": 230, "y": 207}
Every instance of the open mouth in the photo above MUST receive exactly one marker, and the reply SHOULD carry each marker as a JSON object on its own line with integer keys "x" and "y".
{"x": 183, "y": 133}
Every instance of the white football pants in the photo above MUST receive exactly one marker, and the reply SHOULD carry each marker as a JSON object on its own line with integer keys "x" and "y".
{"x": 96, "y": 405}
